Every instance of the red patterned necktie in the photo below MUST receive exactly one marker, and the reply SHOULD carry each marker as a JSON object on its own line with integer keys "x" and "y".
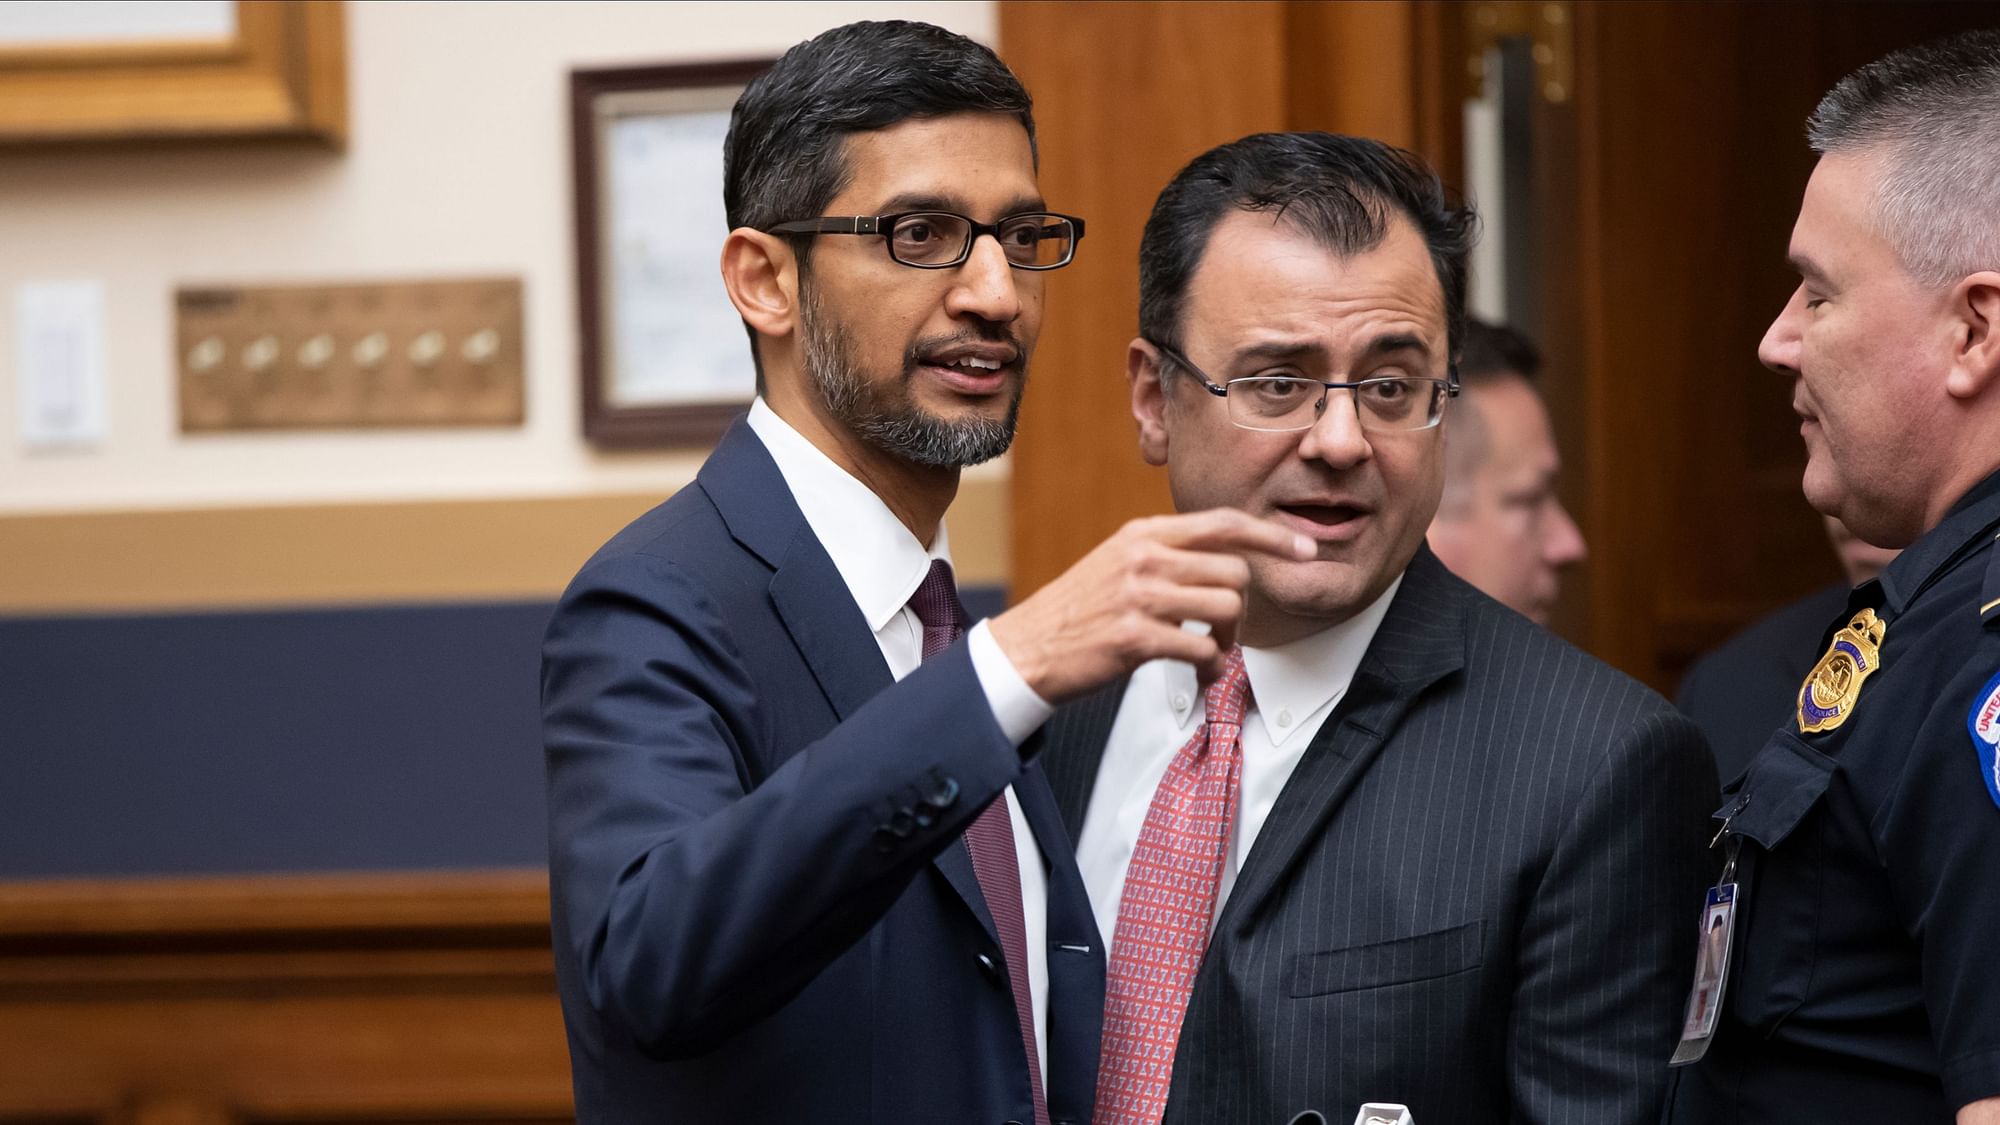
{"x": 990, "y": 838}
{"x": 1169, "y": 901}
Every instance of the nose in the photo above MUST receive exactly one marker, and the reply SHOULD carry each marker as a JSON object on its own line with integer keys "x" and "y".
{"x": 1336, "y": 436}
{"x": 984, "y": 285}
{"x": 1563, "y": 545}
{"x": 1779, "y": 349}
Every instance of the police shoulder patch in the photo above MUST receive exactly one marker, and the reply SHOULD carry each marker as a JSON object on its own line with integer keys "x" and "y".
{"x": 1983, "y": 721}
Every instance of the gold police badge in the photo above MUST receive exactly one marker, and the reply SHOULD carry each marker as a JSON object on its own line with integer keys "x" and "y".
{"x": 1828, "y": 696}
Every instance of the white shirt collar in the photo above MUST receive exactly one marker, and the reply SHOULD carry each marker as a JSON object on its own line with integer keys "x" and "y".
{"x": 1293, "y": 682}
{"x": 878, "y": 558}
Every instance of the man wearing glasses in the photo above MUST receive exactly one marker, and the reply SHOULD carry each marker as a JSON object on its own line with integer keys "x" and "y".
{"x": 803, "y": 863}
{"x": 1409, "y": 847}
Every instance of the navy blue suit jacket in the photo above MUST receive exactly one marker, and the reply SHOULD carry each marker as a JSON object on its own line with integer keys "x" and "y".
{"x": 762, "y": 909}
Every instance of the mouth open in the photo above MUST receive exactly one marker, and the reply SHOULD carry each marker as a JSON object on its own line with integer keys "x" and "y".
{"x": 979, "y": 372}
{"x": 1337, "y": 522}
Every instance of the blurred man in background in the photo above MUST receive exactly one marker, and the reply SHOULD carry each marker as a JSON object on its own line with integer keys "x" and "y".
{"x": 1742, "y": 691}
{"x": 1500, "y": 525}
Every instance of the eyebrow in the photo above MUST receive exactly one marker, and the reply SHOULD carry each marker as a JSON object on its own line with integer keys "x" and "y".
{"x": 1390, "y": 342}
{"x": 1279, "y": 351}
{"x": 931, "y": 201}
{"x": 1807, "y": 268}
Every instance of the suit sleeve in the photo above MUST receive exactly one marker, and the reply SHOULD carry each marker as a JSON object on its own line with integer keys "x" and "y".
{"x": 693, "y": 902}
{"x": 1607, "y": 949}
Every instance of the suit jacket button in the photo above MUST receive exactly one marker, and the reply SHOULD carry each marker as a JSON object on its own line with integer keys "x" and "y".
{"x": 925, "y": 816}
{"x": 945, "y": 795}
{"x": 902, "y": 824}
{"x": 988, "y": 966}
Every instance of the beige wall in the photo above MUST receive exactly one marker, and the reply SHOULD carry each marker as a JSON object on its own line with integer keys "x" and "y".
{"x": 459, "y": 164}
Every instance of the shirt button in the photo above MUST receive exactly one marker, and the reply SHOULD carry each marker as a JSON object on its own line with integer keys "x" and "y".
{"x": 1180, "y": 701}
{"x": 1284, "y": 718}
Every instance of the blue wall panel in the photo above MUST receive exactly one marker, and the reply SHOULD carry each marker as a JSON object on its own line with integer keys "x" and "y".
{"x": 378, "y": 738}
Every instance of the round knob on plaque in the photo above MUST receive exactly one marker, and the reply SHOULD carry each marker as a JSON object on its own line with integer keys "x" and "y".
{"x": 317, "y": 351}
{"x": 261, "y": 353}
{"x": 372, "y": 349}
{"x": 426, "y": 349}
{"x": 481, "y": 346}
{"x": 205, "y": 355}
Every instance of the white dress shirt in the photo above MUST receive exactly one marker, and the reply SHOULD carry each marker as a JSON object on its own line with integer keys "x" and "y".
{"x": 882, "y": 564}
{"x": 1293, "y": 688}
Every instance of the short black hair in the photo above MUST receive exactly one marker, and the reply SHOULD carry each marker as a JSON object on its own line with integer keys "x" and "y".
{"x": 784, "y": 157}
{"x": 1492, "y": 350}
{"x": 1341, "y": 191}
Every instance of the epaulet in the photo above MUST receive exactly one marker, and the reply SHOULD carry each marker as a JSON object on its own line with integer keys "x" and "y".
{"x": 1989, "y": 590}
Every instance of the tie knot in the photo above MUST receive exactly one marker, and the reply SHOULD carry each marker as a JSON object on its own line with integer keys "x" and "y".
{"x": 936, "y": 605}
{"x": 1230, "y": 693}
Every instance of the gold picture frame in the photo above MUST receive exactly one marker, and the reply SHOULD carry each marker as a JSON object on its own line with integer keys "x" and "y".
{"x": 283, "y": 74}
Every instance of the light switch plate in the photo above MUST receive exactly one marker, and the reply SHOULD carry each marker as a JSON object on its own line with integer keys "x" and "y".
{"x": 59, "y": 361}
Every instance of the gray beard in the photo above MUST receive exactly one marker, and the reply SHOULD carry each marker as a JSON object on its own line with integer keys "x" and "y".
{"x": 881, "y": 412}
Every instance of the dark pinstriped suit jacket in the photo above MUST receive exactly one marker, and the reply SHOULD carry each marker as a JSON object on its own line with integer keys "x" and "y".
{"x": 1476, "y": 895}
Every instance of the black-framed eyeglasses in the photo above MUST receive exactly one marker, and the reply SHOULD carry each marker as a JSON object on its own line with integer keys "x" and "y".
{"x": 939, "y": 240}
{"x": 1289, "y": 403}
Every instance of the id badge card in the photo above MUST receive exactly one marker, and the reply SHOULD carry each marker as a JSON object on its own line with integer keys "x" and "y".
{"x": 1384, "y": 1113}
{"x": 1711, "y": 974}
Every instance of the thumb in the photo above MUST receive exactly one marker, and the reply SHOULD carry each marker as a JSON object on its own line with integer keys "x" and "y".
{"x": 1224, "y": 635}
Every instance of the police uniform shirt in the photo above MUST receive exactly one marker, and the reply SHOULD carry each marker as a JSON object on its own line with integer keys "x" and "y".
{"x": 1865, "y": 983}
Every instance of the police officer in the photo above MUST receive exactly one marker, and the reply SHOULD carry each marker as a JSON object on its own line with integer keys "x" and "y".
{"x": 1861, "y": 878}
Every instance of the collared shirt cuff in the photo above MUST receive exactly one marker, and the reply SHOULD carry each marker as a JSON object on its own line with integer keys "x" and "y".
{"x": 1015, "y": 705}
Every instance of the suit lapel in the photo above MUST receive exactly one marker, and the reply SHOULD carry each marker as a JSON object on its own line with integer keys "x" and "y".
{"x": 750, "y": 493}
{"x": 1076, "y": 955}
{"x": 1421, "y": 641}
{"x": 829, "y": 631}
{"x": 1076, "y": 737}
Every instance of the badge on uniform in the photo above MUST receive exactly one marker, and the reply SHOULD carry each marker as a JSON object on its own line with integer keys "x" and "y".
{"x": 1827, "y": 697}
{"x": 1984, "y": 723}
{"x": 1711, "y": 972}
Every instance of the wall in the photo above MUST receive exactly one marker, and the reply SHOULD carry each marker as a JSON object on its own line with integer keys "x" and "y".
{"x": 458, "y": 164}
{"x": 317, "y": 651}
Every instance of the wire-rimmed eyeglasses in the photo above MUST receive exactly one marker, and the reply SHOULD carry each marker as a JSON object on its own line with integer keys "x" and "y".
{"x": 939, "y": 240}
{"x": 1289, "y": 403}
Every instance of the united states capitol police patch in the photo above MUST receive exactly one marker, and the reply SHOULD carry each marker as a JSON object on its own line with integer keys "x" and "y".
{"x": 1984, "y": 723}
{"x": 1827, "y": 697}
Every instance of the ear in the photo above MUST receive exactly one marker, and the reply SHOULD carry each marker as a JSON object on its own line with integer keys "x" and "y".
{"x": 1975, "y": 304}
{"x": 1149, "y": 399}
{"x": 761, "y": 275}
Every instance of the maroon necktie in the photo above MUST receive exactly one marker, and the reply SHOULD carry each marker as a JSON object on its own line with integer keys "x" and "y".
{"x": 990, "y": 839}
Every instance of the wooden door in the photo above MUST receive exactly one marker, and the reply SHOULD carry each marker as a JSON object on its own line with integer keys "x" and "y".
{"x": 1667, "y": 176}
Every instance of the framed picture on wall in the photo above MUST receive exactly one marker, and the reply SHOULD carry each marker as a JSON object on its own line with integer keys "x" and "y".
{"x": 664, "y": 358}
{"x": 173, "y": 70}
